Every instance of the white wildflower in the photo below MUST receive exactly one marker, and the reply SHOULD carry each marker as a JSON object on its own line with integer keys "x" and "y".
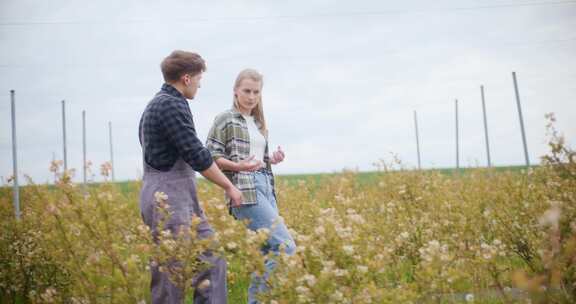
{"x": 362, "y": 268}
{"x": 551, "y": 216}
{"x": 348, "y": 249}
{"x": 160, "y": 196}
{"x": 340, "y": 272}
{"x": 310, "y": 279}
{"x": 302, "y": 289}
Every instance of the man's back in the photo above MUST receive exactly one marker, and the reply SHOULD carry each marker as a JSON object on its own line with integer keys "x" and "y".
{"x": 167, "y": 132}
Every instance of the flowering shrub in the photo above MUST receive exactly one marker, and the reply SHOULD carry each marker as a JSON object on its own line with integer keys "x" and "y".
{"x": 404, "y": 237}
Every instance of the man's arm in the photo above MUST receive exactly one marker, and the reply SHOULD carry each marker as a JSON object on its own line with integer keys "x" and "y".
{"x": 178, "y": 125}
{"x": 216, "y": 176}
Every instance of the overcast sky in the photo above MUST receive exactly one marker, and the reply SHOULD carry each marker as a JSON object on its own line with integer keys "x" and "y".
{"x": 342, "y": 79}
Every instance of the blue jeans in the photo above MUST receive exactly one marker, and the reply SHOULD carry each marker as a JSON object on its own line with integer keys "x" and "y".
{"x": 264, "y": 214}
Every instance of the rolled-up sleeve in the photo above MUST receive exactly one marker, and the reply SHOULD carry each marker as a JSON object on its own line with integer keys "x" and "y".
{"x": 176, "y": 118}
{"x": 216, "y": 141}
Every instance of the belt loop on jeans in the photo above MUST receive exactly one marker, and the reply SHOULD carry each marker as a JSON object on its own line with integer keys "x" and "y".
{"x": 264, "y": 170}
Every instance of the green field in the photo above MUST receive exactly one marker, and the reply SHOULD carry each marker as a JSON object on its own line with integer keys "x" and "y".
{"x": 500, "y": 235}
{"x": 363, "y": 177}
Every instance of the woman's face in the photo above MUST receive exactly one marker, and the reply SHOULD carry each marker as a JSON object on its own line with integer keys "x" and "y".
{"x": 248, "y": 95}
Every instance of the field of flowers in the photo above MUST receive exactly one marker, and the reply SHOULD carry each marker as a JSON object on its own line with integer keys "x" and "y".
{"x": 403, "y": 237}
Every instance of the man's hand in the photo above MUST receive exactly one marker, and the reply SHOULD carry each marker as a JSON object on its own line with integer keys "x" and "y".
{"x": 235, "y": 196}
{"x": 214, "y": 175}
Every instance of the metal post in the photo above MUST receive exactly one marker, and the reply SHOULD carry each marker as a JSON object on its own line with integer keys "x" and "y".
{"x": 84, "y": 145}
{"x": 64, "y": 134}
{"x": 111, "y": 150}
{"x": 457, "y": 138}
{"x": 417, "y": 139}
{"x": 485, "y": 126}
{"x": 53, "y": 160}
{"x": 521, "y": 120}
{"x": 16, "y": 188}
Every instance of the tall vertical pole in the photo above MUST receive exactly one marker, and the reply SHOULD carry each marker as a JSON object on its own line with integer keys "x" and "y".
{"x": 457, "y": 138}
{"x": 111, "y": 150}
{"x": 485, "y": 126}
{"x": 53, "y": 160}
{"x": 16, "y": 188}
{"x": 521, "y": 120}
{"x": 64, "y": 135}
{"x": 417, "y": 139}
{"x": 84, "y": 146}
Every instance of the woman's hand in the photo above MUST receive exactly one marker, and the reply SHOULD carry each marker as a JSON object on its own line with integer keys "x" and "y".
{"x": 277, "y": 156}
{"x": 249, "y": 164}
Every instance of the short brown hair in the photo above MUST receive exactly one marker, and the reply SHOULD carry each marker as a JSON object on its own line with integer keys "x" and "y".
{"x": 181, "y": 62}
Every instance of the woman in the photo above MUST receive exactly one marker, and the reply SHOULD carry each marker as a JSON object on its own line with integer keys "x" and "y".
{"x": 238, "y": 141}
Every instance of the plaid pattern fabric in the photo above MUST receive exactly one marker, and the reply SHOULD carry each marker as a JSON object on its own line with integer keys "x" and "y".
{"x": 169, "y": 133}
{"x": 229, "y": 138}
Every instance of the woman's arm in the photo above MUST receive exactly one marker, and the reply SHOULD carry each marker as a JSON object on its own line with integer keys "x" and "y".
{"x": 243, "y": 165}
{"x": 219, "y": 135}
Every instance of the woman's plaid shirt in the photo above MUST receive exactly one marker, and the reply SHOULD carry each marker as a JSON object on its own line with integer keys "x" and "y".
{"x": 229, "y": 138}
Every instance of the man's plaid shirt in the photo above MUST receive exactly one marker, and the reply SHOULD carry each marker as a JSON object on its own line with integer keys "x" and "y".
{"x": 169, "y": 133}
{"x": 229, "y": 138}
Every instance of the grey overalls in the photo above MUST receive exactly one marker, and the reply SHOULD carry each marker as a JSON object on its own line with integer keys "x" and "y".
{"x": 180, "y": 185}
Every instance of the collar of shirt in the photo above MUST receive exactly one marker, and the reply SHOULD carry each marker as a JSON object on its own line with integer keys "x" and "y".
{"x": 235, "y": 112}
{"x": 170, "y": 90}
{"x": 237, "y": 115}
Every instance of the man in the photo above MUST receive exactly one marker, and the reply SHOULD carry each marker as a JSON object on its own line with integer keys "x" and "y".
{"x": 172, "y": 152}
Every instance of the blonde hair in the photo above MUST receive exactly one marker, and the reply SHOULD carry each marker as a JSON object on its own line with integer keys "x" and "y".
{"x": 258, "y": 111}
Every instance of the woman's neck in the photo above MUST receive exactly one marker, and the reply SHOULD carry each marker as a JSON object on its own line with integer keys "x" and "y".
{"x": 244, "y": 111}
